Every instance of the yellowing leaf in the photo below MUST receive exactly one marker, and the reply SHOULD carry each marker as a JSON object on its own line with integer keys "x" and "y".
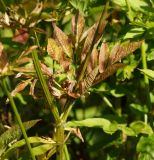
{"x": 149, "y": 73}
{"x": 54, "y": 50}
{"x": 63, "y": 40}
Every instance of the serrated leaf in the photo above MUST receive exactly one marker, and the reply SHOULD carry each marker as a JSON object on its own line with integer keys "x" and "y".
{"x": 124, "y": 51}
{"x": 63, "y": 40}
{"x": 108, "y": 72}
{"x": 149, "y": 73}
{"x": 78, "y": 23}
{"x": 14, "y": 133}
{"x": 88, "y": 80}
{"x": 103, "y": 57}
{"x": 141, "y": 127}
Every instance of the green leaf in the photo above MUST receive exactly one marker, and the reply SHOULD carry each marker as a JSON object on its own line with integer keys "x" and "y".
{"x": 22, "y": 143}
{"x": 14, "y": 133}
{"x": 41, "y": 149}
{"x": 141, "y": 127}
{"x": 145, "y": 148}
{"x": 148, "y": 72}
{"x": 134, "y": 33}
{"x": 106, "y": 125}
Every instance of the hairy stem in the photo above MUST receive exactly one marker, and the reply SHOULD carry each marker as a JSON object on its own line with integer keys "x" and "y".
{"x": 146, "y": 81}
{"x": 17, "y": 115}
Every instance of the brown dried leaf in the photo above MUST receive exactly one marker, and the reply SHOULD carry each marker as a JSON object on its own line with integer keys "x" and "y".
{"x": 78, "y": 23}
{"x": 21, "y": 86}
{"x": 63, "y": 40}
{"x": 21, "y": 36}
{"x": 108, "y": 72}
{"x": 119, "y": 52}
{"x": 76, "y": 131}
{"x": 87, "y": 82}
{"x": 88, "y": 41}
{"x": 103, "y": 57}
{"x": 23, "y": 60}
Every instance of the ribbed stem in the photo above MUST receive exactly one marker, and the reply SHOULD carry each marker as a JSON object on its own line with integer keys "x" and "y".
{"x": 17, "y": 115}
{"x": 146, "y": 81}
{"x": 47, "y": 93}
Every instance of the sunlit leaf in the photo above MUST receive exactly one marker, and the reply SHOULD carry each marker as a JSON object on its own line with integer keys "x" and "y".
{"x": 103, "y": 57}
{"x": 78, "y": 23}
{"x": 63, "y": 40}
{"x": 149, "y": 73}
{"x": 108, "y": 72}
{"x": 105, "y": 124}
{"x": 145, "y": 148}
{"x": 141, "y": 127}
{"x": 123, "y": 51}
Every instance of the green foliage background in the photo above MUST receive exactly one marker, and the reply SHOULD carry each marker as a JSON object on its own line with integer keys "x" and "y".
{"x": 116, "y": 116}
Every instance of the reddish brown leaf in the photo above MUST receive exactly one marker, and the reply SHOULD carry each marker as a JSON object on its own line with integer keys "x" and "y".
{"x": 88, "y": 41}
{"x": 93, "y": 62}
{"x": 21, "y": 86}
{"x": 87, "y": 82}
{"x": 119, "y": 52}
{"x": 103, "y": 57}
{"x": 63, "y": 40}
{"x": 76, "y": 131}
{"x": 46, "y": 70}
{"x": 108, "y": 72}
{"x": 21, "y": 36}
{"x": 78, "y": 23}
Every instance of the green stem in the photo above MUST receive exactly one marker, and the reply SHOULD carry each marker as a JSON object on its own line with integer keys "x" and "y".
{"x": 67, "y": 157}
{"x": 4, "y": 6}
{"x": 14, "y": 108}
{"x": 146, "y": 81}
{"x": 47, "y": 93}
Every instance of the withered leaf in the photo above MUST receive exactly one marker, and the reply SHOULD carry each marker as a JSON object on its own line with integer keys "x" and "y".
{"x": 76, "y": 131}
{"x": 108, "y": 72}
{"x": 88, "y": 42}
{"x": 63, "y": 40}
{"x": 21, "y": 86}
{"x": 103, "y": 57}
{"x": 78, "y": 23}
{"x": 120, "y": 52}
{"x": 21, "y": 36}
{"x": 87, "y": 82}
{"x": 54, "y": 50}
